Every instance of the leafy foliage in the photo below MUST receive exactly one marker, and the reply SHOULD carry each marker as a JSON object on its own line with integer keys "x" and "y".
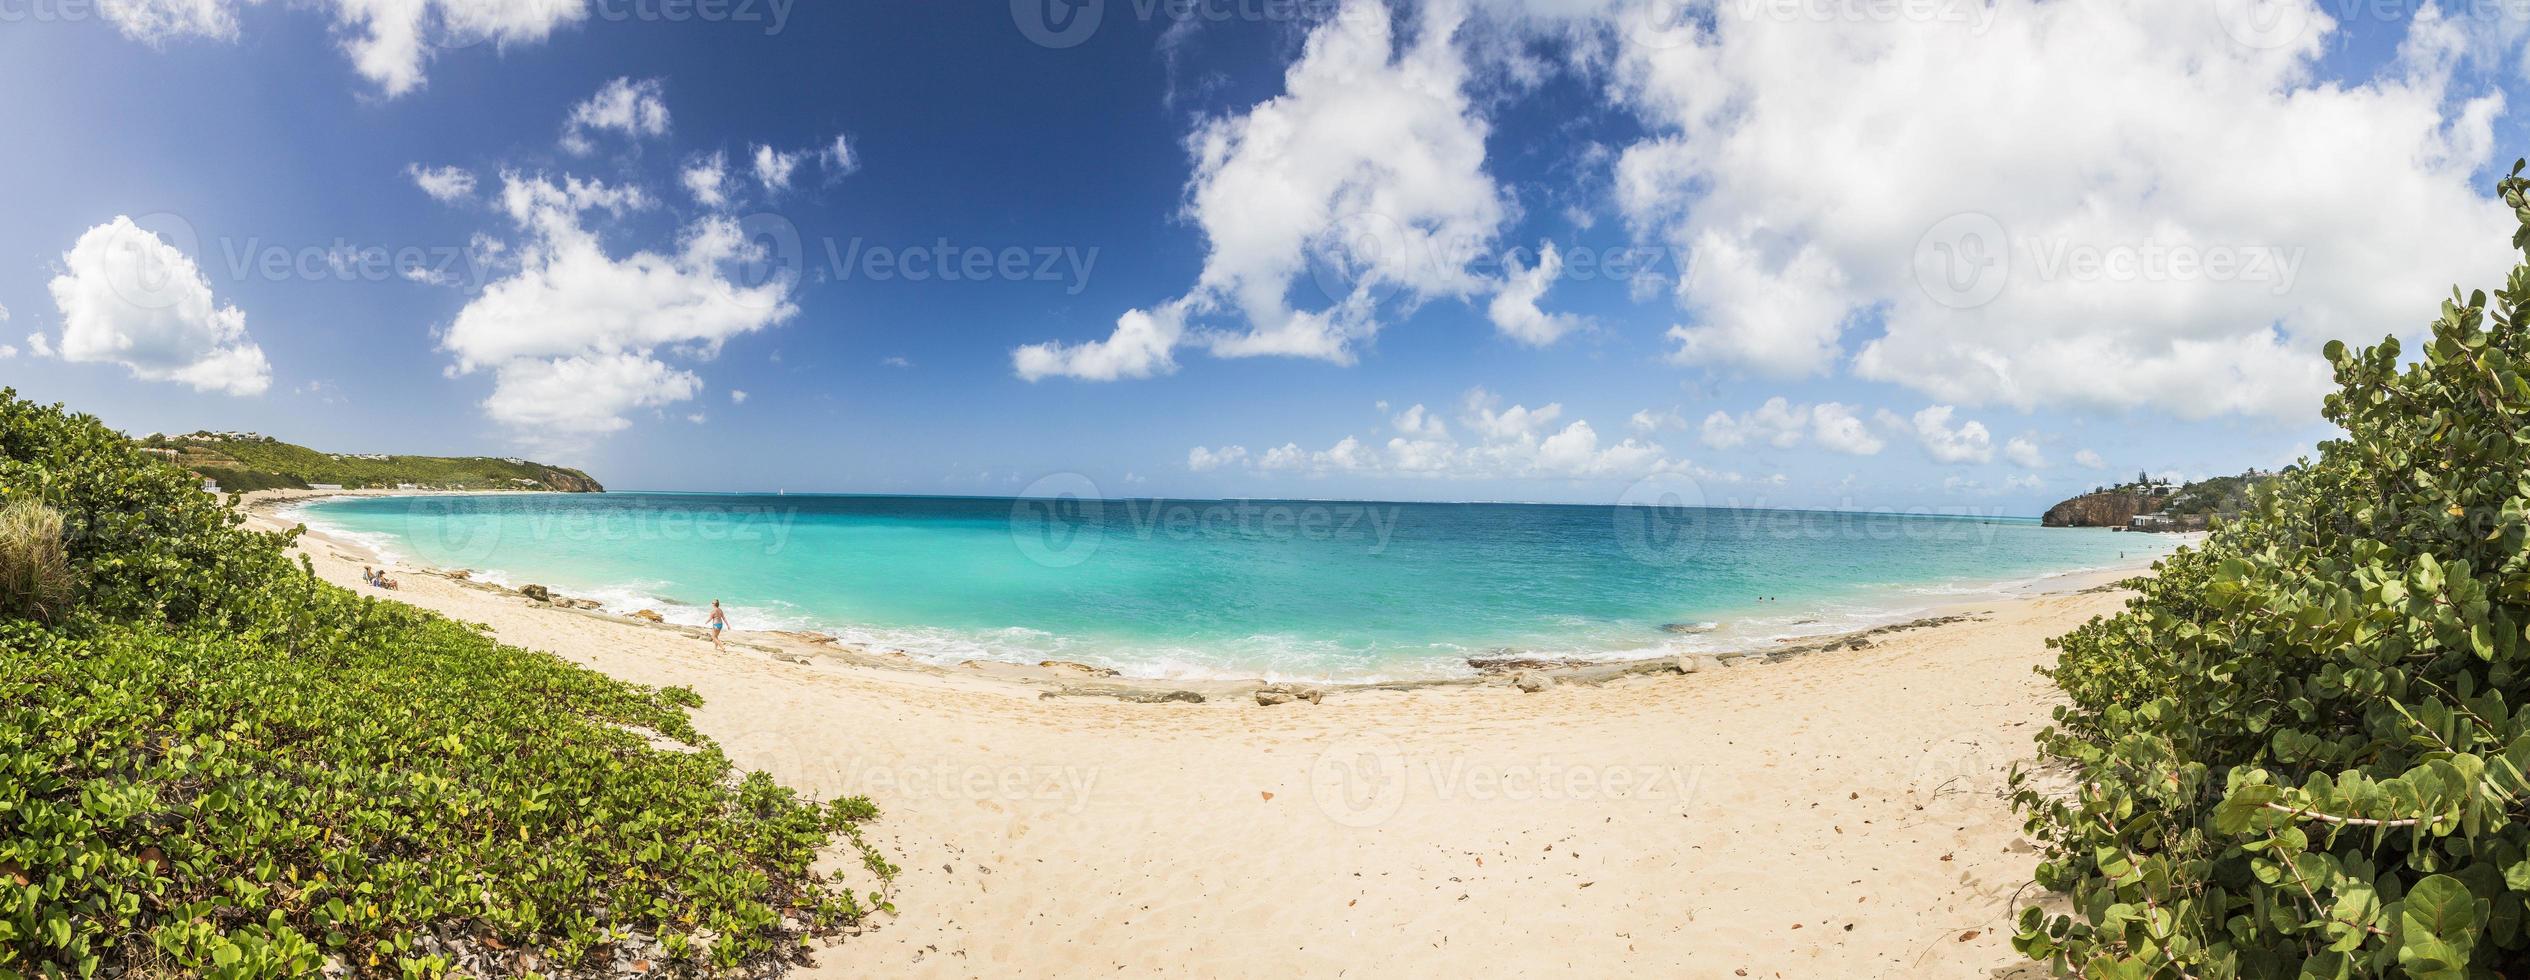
{"x": 216, "y": 764}
{"x": 2304, "y": 750}
{"x": 2221, "y": 496}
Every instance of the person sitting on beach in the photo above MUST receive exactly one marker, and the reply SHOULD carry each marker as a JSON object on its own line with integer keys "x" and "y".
{"x": 719, "y": 622}
{"x": 369, "y": 576}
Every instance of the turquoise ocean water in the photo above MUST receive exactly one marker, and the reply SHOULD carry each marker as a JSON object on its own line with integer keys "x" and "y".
{"x": 1323, "y": 590}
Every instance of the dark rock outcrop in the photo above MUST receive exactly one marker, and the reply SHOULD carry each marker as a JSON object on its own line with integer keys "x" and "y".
{"x": 2113, "y": 508}
{"x": 563, "y": 480}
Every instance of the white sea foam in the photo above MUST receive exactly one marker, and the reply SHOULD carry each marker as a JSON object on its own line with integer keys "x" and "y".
{"x": 379, "y": 546}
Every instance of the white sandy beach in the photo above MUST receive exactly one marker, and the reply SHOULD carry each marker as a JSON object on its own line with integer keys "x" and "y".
{"x": 1839, "y": 814}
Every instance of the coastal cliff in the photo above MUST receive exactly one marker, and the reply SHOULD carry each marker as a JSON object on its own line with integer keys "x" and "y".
{"x": 2157, "y": 505}
{"x": 2107, "y": 508}
{"x": 565, "y": 480}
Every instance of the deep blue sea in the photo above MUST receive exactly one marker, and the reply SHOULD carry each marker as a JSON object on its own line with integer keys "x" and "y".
{"x": 1284, "y": 589}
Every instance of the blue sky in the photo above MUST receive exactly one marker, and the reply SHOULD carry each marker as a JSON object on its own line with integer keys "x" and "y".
{"x": 1298, "y": 215}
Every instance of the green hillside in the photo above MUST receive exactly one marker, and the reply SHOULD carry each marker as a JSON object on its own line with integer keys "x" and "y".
{"x": 246, "y": 461}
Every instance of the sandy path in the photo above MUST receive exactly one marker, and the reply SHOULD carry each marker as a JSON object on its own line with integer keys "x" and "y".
{"x": 1838, "y": 815}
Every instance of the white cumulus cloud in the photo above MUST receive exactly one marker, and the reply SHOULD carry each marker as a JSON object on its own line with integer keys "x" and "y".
{"x": 1513, "y": 442}
{"x": 1200, "y": 459}
{"x": 1967, "y": 442}
{"x": 1514, "y": 310}
{"x": 1651, "y": 420}
{"x": 128, "y": 297}
{"x": 2137, "y": 137}
{"x": 1782, "y": 424}
{"x": 583, "y": 394}
{"x": 1840, "y": 428}
{"x": 773, "y": 168}
{"x": 156, "y": 22}
{"x": 634, "y": 109}
{"x": 708, "y": 180}
{"x": 1777, "y": 423}
{"x": 576, "y": 337}
{"x": 1139, "y": 348}
{"x": 447, "y": 185}
{"x": 1362, "y": 184}
{"x": 839, "y": 156}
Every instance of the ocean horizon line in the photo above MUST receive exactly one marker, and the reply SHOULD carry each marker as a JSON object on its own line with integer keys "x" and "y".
{"x": 878, "y": 495}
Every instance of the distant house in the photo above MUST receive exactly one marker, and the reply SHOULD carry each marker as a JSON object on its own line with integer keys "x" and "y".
{"x": 2153, "y": 522}
{"x": 407, "y": 486}
{"x": 325, "y": 486}
{"x": 210, "y": 486}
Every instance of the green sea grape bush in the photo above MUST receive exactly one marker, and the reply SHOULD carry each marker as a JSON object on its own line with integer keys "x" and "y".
{"x": 214, "y": 764}
{"x": 2303, "y": 749}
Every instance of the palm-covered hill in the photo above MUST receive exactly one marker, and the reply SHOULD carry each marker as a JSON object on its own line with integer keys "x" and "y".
{"x": 245, "y": 461}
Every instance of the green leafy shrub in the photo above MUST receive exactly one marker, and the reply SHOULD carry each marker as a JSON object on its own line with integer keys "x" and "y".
{"x": 35, "y": 579}
{"x": 2304, "y": 749}
{"x": 215, "y": 764}
{"x": 146, "y": 542}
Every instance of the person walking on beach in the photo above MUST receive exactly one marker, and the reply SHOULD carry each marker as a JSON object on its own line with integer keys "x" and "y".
{"x": 719, "y": 622}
